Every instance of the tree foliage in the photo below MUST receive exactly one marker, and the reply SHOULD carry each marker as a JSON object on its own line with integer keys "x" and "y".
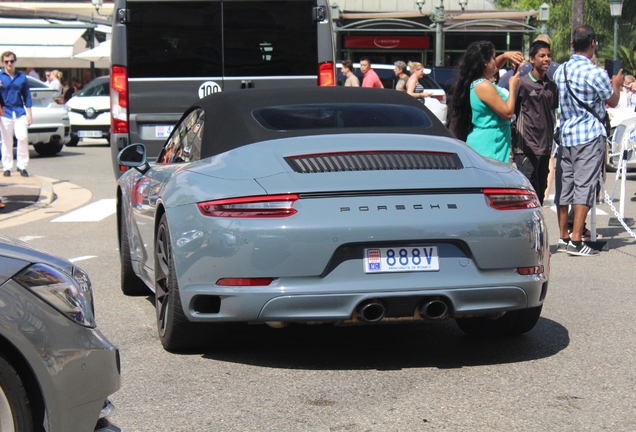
{"x": 596, "y": 14}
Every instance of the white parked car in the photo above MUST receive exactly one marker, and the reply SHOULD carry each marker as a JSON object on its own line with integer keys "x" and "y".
{"x": 623, "y": 122}
{"x": 89, "y": 111}
{"x": 436, "y": 103}
{"x": 51, "y": 128}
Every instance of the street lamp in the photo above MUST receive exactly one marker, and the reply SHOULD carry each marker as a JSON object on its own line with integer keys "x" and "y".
{"x": 439, "y": 17}
{"x": 616, "y": 9}
{"x": 544, "y": 16}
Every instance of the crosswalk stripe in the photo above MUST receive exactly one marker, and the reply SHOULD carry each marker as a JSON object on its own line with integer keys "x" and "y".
{"x": 93, "y": 212}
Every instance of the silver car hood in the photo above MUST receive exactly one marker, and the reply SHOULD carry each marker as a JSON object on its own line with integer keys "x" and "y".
{"x": 16, "y": 254}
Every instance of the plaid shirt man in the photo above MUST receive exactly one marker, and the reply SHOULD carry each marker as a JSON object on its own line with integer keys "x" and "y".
{"x": 592, "y": 86}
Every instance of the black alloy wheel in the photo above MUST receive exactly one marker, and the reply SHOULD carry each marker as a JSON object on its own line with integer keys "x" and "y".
{"x": 131, "y": 284}
{"x": 176, "y": 331}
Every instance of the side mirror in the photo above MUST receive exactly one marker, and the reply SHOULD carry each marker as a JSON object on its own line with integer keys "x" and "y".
{"x": 134, "y": 156}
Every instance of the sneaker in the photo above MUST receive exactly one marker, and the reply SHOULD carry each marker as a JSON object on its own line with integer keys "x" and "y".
{"x": 562, "y": 245}
{"x": 23, "y": 172}
{"x": 7, "y": 173}
{"x": 583, "y": 250}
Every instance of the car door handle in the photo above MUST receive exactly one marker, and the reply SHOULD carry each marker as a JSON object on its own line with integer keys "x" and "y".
{"x": 245, "y": 84}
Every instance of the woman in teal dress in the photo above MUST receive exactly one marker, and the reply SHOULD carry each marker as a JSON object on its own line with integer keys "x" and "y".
{"x": 481, "y": 111}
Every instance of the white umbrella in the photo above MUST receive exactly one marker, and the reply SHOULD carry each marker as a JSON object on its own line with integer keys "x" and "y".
{"x": 100, "y": 52}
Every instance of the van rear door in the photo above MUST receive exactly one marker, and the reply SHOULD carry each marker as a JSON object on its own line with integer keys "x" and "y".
{"x": 171, "y": 53}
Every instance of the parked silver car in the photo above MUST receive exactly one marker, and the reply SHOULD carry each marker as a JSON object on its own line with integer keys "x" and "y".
{"x": 56, "y": 369}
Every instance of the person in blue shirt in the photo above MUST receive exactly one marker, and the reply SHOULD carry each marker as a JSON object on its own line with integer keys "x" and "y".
{"x": 16, "y": 118}
{"x": 584, "y": 89}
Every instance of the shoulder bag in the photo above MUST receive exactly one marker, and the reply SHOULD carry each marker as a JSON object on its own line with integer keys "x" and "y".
{"x": 604, "y": 121}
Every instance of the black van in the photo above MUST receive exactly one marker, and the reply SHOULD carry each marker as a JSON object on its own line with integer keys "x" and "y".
{"x": 167, "y": 54}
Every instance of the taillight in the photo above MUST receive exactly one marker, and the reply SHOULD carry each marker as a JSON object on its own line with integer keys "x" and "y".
{"x": 119, "y": 99}
{"x": 244, "y": 281}
{"x": 530, "y": 270}
{"x": 326, "y": 74}
{"x": 251, "y": 207}
{"x": 442, "y": 99}
{"x": 511, "y": 199}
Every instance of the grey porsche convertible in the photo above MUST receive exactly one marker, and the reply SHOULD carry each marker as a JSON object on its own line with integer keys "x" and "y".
{"x": 330, "y": 205}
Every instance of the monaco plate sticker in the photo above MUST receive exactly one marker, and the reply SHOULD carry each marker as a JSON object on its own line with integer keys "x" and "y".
{"x": 208, "y": 88}
{"x": 404, "y": 259}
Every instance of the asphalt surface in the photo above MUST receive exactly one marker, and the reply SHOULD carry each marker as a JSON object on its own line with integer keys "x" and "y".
{"x": 19, "y": 193}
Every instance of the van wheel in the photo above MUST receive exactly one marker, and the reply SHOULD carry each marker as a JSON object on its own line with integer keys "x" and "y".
{"x": 14, "y": 403}
{"x": 73, "y": 142}
{"x": 48, "y": 149}
{"x": 513, "y": 323}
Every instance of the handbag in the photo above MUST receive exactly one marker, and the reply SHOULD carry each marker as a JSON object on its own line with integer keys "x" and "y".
{"x": 604, "y": 121}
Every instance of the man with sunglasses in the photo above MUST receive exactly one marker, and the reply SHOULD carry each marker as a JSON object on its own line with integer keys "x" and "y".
{"x": 14, "y": 89}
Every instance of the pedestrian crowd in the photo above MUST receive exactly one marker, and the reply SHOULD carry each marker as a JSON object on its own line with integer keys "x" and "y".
{"x": 512, "y": 117}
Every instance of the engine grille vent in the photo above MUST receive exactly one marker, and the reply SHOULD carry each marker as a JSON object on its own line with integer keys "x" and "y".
{"x": 374, "y": 161}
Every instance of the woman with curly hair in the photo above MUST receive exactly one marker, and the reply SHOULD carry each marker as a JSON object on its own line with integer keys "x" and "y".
{"x": 480, "y": 111}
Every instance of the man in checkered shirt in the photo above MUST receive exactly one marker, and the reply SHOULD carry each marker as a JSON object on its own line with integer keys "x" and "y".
{"x": 583, "y": 136}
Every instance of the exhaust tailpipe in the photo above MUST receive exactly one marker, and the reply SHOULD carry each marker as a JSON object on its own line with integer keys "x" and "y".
{"x": 371, "y": 311}
{"x": 434, "y": 310}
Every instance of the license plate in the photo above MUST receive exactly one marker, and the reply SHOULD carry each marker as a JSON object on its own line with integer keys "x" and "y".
{"x": 89, "y": 134}
{"x": 163, "y": 131}
{"x": 38, "y": 102}
{"x": 402, "y": 259}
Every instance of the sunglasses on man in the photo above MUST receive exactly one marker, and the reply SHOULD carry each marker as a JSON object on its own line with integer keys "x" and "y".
{"x": 9, "y": 61}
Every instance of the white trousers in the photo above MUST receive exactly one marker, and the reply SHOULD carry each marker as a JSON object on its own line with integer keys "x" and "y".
{"x": 20, "y": 126}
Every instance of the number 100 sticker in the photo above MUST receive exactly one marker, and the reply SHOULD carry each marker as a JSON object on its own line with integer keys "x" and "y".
{"x": 208, "y": 88}
{"x": 406, "y": 259}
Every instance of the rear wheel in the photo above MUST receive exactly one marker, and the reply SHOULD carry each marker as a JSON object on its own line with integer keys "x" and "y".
{"x": 48, "y": 149}
{"x": 131, "y": 284}
{"x": 14, "y": 403}
{"x": 513, "y": 323}
{"x": 176, "y": 332}
{"x": 73, "y": 142}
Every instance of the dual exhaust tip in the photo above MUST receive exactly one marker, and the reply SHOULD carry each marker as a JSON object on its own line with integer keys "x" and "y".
{"x": 374, "y": 311}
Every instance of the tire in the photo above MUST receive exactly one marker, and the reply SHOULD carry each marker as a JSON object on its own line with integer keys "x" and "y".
{"x": 73, "y": 142}
{"x": 131, "y": 284}
{"x": 48, "y": 149}
{"x": 176, "y": 332}
{"x": 513, "y": 323}
{"x": 15, "y": 413}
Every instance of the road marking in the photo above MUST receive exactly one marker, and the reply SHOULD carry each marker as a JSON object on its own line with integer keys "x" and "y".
{"x": 82, "y": 258}
{"x": 29, "y": 238}
{"x": 91, "y": 213}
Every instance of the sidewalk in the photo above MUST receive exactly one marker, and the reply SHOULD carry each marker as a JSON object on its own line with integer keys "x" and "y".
{"x": 19, "y": 193}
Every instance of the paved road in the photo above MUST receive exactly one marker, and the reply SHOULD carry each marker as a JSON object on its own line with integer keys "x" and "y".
{"x": 575, "y": 371}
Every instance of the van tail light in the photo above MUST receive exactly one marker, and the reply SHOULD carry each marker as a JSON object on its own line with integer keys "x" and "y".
{"x": 119, "y": 99}
{"x": 265, "y": 206}
{"x": 442, "y": 99}
{"x": 326, "y": 74}
{"x": 511, "y": 199}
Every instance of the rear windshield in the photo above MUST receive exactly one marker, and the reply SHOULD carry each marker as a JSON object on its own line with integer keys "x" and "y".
{"x": 191, "y": 38}
{"x": 341, "y": 116}
{"x": 35, "y": 83}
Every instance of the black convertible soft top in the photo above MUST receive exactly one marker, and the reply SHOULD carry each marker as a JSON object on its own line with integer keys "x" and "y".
{"x": 237, "y": 118}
